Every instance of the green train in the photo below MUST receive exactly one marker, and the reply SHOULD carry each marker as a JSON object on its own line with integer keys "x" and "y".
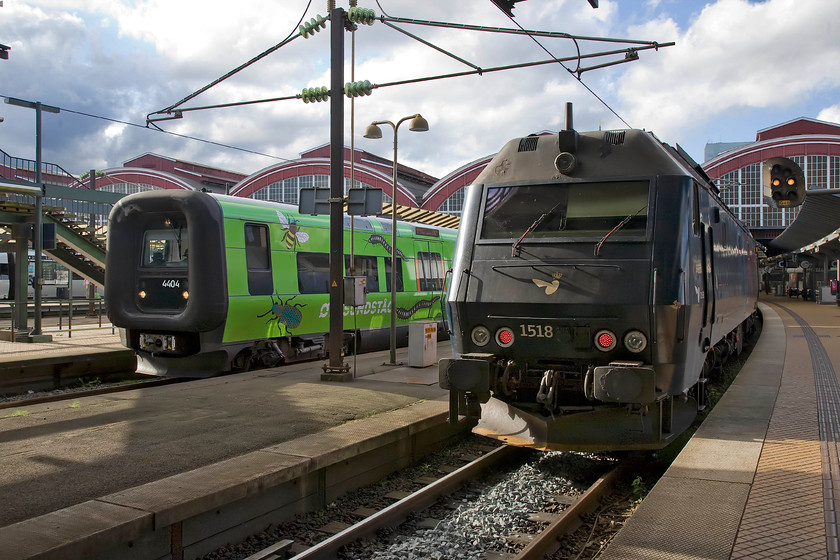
{"x": 201, "y": 284}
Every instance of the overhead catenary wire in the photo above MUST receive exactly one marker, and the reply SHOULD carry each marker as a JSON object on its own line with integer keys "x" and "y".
{"x": 289, "y": 38}
{"x": 630, "y": 54}
{"x": 185, "y": 136}
{"x": 575, "y": 74}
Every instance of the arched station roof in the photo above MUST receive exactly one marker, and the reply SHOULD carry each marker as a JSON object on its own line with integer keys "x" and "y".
{"x": 320, "y": 166}
{"x": 449, "y": 185}
{"x": 138, "y": 175}
{"x": 799, "y": 137}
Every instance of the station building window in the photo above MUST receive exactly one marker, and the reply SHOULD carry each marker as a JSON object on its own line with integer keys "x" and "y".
{"x": 815, "y": 173}
{"x": 128, "y": 188}
{"x": 454, "y": 204}
{"x": 751, "y": 181}
{"x": 288, "y": 190}
{"x": 772, "y": 217}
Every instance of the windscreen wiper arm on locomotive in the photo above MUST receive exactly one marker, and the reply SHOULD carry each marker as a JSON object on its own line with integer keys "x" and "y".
{"x": 616, "y": 228}
{"x": 514, "y": 251}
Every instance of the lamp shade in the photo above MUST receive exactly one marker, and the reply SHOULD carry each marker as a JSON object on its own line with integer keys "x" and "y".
{"x": 418, "y": 124}
{"x": 373, "y": 131}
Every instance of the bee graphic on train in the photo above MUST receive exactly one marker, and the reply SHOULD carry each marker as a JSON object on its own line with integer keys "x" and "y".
{"x": 293, "y": 235}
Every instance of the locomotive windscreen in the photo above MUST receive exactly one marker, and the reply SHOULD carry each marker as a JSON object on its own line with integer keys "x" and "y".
{"x": 566, "y": 210}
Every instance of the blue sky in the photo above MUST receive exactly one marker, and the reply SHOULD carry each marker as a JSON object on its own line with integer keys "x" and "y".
{"x": 738, "y": 66}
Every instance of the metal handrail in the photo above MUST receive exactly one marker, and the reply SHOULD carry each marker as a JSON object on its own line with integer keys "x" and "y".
{"x": 66, "y": 308}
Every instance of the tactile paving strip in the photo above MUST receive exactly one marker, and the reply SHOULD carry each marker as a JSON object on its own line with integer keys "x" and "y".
{"x": 828, "y": 404}
{"x": 783, "y": 517}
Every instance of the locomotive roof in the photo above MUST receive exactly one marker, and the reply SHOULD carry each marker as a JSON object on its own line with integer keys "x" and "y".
{"x": 600, "y": 155}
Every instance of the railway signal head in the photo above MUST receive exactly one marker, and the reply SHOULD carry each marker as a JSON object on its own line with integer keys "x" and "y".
{"x": 786, "y": 181}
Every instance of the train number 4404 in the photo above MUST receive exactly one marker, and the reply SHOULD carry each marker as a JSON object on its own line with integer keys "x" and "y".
{"x": 536, "y": 331}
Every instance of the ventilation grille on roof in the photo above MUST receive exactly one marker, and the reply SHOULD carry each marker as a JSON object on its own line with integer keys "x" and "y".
{"x": 614, "y": 137}
{"x": 528, "y": 144}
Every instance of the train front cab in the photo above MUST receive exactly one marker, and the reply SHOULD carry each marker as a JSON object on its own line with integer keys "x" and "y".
{"x": 162, "y": 247}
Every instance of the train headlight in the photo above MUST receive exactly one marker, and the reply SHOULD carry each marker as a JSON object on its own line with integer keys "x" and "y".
{"x": 605, "y": 340}
{"x": 504, "y": 337}
{"x": 185, "y": 294}
{"x": 480, "y": 336}
{"x": 142, "y": 294}
{"x": 635, "y": 341}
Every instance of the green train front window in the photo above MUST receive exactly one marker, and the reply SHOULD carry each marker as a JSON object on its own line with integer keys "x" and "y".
{"x": 566, "y": 210}
{"x": 165, "y": 248}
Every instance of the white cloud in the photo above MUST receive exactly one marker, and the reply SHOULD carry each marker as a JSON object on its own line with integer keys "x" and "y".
{"x": 830, "y": 114}
{"x": 736, "y": 55}
{"x": 124, "y": 59}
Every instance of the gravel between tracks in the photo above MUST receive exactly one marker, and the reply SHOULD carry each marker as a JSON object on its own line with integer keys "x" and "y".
{"x": 500, "y": 508}
{"x": 472, "y": 520}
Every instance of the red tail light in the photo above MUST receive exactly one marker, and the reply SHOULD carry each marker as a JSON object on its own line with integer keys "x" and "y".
{"x": 504, "y": 337}
{"x": 605, "y": 340}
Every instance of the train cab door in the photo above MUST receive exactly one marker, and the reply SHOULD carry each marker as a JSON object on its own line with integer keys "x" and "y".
{"x": 429, "y": 269}
{"x": 706, "y": 293}
{"x": 428, "y": 265}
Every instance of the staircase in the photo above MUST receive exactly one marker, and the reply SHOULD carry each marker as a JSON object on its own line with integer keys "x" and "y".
{"x": 81, "y": 251}
{"x": 77, "y": 248}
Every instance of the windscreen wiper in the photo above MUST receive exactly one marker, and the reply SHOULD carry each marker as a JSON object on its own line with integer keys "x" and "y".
{"x": 514, "y": 251}
{"x": 616, "y": 228}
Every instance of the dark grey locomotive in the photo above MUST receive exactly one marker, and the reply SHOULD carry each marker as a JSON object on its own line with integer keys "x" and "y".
{"x": 597, "y": 280}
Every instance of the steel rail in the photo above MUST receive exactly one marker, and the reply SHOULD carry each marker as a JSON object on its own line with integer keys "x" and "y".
{"x": 397, "y": 512}
{"x": 568, "y": 520}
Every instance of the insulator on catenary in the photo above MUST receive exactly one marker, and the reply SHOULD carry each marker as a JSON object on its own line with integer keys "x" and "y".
{"x": 357, "y": 89}
{"x": 364, "y": 16}
{"x": 314, "y": 95}
{"x": 313, "y": 26}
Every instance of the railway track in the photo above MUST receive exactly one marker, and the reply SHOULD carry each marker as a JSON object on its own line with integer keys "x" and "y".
{"x": 532, "y": 539}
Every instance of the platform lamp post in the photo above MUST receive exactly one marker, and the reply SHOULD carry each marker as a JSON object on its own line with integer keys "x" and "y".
{"x": 37, "y": 233}
{"x": 418, "y": 124}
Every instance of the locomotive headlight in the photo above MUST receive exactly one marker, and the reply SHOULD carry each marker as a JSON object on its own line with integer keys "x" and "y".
{"x": 480, "y": 336}
{"x": 635, "y": 341}
{"x": 142, "y": 294}
{"x": 504, "y": 337}
{"x": 185, "y": 294}
{"x": 605, "y": 340}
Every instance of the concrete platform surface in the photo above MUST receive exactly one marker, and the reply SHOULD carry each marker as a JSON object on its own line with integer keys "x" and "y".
{"x": 55, "y": 455}
{"x": 757, "y": 479}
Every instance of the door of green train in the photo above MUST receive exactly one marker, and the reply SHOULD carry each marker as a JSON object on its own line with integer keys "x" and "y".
{"x": 429, "y": 270}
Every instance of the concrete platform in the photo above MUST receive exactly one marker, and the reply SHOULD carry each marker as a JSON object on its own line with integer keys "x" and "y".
{"x": 161, "y": 472}
{"x": 88, "y": 352}
{"x": 760, "y": 478}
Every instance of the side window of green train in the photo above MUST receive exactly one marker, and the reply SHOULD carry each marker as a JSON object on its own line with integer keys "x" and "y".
{"x": 364, "y": 266}
{"x": 313, "y": 273}
{"x": 429, "y": 271}
{"x": 400, "y": 287}
{"x": 258, "y": 259}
